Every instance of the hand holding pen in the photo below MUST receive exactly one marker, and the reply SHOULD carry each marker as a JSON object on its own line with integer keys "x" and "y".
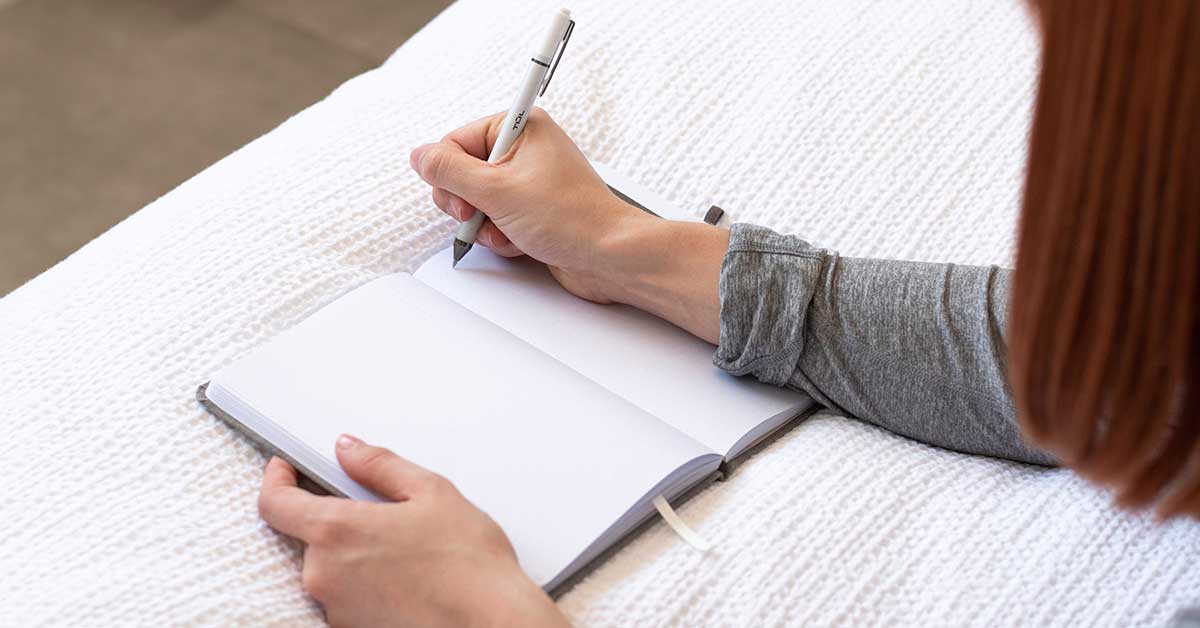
{"x": 546, "y": 201}
{"x": 541, "y": 69}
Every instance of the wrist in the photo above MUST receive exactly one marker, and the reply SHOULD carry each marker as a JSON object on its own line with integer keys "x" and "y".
{"x": 525, "y": 604}
{"x": 625, "y": 253}
{"x": 668, "y": 268}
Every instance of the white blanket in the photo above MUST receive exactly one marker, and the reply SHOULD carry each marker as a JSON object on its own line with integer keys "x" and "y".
{"x": 889, "y": 128}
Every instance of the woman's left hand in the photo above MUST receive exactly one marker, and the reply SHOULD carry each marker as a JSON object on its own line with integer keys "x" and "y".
{"x": 428, "y": 558}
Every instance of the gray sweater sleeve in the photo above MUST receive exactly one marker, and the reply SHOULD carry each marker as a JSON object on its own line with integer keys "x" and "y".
{"x": 915, "y": 348}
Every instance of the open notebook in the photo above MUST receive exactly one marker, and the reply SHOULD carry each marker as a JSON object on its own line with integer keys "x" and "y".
{"x": 560, "y": 418}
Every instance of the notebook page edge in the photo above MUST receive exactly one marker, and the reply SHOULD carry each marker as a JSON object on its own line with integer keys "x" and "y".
{"x": 684, "y": 479}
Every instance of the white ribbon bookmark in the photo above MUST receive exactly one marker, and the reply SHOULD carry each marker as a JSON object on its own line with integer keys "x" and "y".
{"x": 680, "y": 528}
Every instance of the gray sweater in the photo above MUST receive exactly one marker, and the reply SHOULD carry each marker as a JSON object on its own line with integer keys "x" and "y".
{"x": 915, "y": 348}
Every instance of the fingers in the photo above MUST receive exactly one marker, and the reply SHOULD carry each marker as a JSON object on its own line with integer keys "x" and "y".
{"x": 287, "y": 507}
{"x": 478, "y": 137}
{"x": 451, "y": 204}
{"x": 382, "y": 471}
{"x": 491, "y": 237}
{"x": 447, "y": 165}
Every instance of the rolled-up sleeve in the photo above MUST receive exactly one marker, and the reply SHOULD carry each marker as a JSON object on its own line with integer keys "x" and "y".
{"x": 767, "y": 282}
{"x": 915, "y": 348}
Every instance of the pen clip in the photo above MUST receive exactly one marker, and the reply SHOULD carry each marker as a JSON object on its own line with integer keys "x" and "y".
{"x": 562, "y": 45}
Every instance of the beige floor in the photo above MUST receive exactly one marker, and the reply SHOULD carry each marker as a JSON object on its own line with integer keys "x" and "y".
{"x": 106, "y": 105}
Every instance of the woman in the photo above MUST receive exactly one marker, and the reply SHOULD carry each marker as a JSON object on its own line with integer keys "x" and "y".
{"x": 1092, "y": 363}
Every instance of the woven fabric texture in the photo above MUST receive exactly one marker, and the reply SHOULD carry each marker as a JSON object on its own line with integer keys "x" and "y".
{"x": 890, "y": 128}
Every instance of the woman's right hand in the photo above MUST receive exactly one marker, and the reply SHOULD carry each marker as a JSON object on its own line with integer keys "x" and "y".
{"x": 543, "y": 198}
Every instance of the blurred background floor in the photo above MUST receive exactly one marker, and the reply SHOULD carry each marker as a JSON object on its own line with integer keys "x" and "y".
{"x": 106, "y": 105}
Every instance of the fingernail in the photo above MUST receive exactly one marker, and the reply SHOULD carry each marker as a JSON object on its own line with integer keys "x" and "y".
{"x": 414, "y": 158}
{"x": 346, "y": 441}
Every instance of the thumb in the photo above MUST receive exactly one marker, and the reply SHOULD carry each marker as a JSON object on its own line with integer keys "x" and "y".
{"x": 381, "y": 471}
{"x": 446, "y": 165}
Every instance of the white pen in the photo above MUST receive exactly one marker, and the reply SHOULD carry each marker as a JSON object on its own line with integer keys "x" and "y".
{"x": 541, "y": 69}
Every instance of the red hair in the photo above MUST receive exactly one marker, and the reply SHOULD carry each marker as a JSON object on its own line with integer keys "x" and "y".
{"x": 1105, "y": 309}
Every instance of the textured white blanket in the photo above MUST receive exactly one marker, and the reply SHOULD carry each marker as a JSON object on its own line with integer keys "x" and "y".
{"x": 888, "y": 128}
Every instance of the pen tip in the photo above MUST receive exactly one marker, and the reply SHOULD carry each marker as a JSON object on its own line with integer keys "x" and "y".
{"x": 460, "y": 249}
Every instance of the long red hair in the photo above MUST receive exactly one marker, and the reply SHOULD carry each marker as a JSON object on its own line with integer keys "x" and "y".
{"x": 1105, "y": 309}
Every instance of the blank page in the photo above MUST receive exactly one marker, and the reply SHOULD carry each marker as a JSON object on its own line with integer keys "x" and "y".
{"x": 553, "y": 457}
{"x": 657, "y": 366}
